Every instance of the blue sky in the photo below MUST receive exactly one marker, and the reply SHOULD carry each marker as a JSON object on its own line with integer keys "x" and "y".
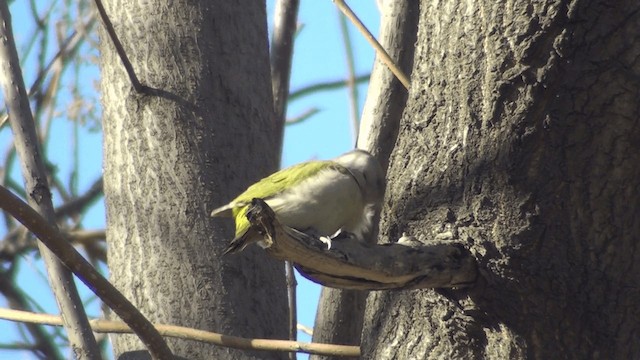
{"x": 319, "y": 57}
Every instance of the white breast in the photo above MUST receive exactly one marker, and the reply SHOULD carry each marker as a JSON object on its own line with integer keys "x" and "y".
{"x": 328, "y": 202}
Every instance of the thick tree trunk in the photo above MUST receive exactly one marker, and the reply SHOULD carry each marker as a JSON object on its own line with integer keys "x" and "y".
{"x": 171, "y": 158}
{"x": 521, "y": 139}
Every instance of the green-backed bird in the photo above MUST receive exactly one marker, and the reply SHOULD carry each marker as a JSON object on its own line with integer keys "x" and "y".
{"x": 317, "y": 197}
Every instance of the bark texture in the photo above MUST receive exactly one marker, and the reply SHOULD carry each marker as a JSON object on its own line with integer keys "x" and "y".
{"x": 521, "y": 140}
{"x": 171, "y": 158}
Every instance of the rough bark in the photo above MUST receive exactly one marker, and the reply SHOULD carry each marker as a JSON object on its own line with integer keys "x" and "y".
{"x": 340, "y": 312}
{"x": 521, "y": 139}
{"x": 171, "y": 158}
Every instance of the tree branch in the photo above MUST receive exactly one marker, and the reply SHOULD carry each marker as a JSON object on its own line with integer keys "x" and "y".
{"x": 351, "y": 75}
{"x": 372, "y": 40}
{"x": 325, "y": 86}
{"x": 15, "y": 242}
{"x": 284, "y": 29}
{"x": 77, "y": 205}
{"x": 54, "y": 240}
{"x": 350, "y": 264}
{"x": 44, "y": 343}
{"x": 68, "y": 47}
{"x": 180, "y": 332}
{"x": 39, "y": 195}
{"x": 137, "y": 86}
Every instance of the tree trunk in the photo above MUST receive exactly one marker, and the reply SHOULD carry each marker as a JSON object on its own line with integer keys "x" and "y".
{"x": 521, "y": 140}
{"x": 171, "y": 157}
{"x": 340, "y": 312}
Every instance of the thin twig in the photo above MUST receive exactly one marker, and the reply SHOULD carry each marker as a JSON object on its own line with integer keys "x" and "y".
{"x": 181, "y": 332}
{"x": 302, "y": 117}
{"x": 17, "y": 242}
{"x": 292, "y": 300}
{"x": 351, "y": 75}
{"x": 39, "y": 195}
{"x": 69, "y": 45}
{"x": 14, "y": 243}
{"x": 305, "y": 329}
{"x": 77, "y": 205}
{"x": 86, "y": 236}
{"x": 93, "y": 242}
{"x": 6, "y": 180}
{"x": 372, "y": 40}
{"x": 137, "y": 86}
{"x": 386, "y": 96}
{"x": 43, "y": 341}
{"x": 54, "y": 240}
{"x": 325, "y": 86}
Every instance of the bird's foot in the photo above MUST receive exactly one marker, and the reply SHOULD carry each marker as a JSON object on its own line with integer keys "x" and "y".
{"x": 326, "y": 240}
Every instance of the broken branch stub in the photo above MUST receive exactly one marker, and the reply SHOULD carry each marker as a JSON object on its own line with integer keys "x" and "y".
{"x": 351, "y": 264}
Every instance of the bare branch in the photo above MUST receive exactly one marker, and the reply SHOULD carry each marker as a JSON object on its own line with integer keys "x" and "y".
{"x": 372, "y": 40}
{"x": 383, "y": 109}
{"x": 93, "y": 242}
{"x": 16, "y": 242}
{"x": 104, "y": 326}
{"x": 330, "y": 85}
{"x": 350, "y": 264}
{"x": 292, "y": 300}
{"x": 305, "y": 329}
{"x": 351, "y": 75}
{"x": 118, "y": 45}
{"x": 39, "y": 196}
{"x": 54, "y": 240}
{"x": 284, "y": 29}
{"x": 79, "y": 204}
{"x": 137, "y": 86}
{"x": 302, "y": 117}
{"x": 86, "y": 236}
{"x": 44, "y": 343}
{"x": 67, "y": 48}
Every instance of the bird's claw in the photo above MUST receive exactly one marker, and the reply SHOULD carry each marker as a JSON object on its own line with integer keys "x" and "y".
{"x": 326, "y": 240}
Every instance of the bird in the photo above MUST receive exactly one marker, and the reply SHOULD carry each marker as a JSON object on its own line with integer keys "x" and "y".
{"x": 320, "y": 197}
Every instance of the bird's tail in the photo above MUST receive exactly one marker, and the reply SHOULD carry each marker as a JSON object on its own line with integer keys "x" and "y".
{"x": 224, "y": 211}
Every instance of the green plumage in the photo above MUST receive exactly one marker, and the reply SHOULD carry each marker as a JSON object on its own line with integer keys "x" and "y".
{"x": 265, "y": 189}
{"x": 282, "y": 180}
{"x": 320, "y": 197}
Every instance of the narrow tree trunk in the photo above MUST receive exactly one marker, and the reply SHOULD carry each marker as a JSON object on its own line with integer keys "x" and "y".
{"x": 171, "y": 158}
{"x": 340, "y": 312}
{"x": 521, "y": 140}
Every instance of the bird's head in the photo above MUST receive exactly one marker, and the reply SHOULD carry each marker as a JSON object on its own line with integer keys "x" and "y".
{"x": 368, "y": 173}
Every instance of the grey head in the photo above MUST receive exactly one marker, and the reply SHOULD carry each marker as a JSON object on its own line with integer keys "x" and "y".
{"x": 366, "y": 169}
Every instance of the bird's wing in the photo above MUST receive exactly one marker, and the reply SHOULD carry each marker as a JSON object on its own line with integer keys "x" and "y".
{"x": 267, "y": 188}
{"x": 280, "y": 181}
{"x": 271, "y": 186}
